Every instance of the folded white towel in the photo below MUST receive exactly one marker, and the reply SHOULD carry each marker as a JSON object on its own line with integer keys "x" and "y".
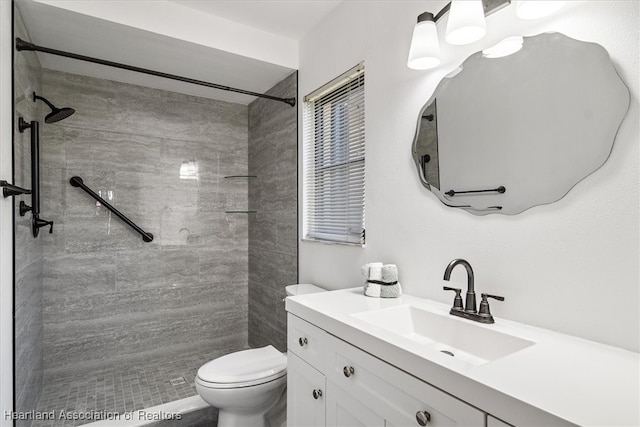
{"x": 389, "y": 273}
{"x": 372, "y": 290}
{"x": 390, "y": 276}
{"x": 364, "y": 270}
{"x": 374, "y": 272}
{"x": 391, "y": 291}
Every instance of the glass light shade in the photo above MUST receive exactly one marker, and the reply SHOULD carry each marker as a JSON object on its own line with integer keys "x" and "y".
{"x": 534, "y": 9}
{"x": 506, "y": 47}
{"x": 466, "y": 22}
{"x": 424, "y": 52}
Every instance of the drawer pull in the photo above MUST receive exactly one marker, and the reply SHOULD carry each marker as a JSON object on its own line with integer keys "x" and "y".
{"x": 302, "y": 341}
{"x": 317, "y": 394}
{"x": 423, "y": 418}
{"x": 348, "y": 371}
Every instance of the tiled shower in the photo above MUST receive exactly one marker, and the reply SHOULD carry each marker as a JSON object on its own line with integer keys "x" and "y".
{"x": 105, "y": 320}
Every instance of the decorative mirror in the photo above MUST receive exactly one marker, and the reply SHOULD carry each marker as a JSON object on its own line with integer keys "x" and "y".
{"x": 502, "y": 134}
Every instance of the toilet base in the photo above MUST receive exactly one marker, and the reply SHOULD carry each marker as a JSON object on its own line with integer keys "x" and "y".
{"x": 275, "y": 416}
{"x": 228, "y": 419}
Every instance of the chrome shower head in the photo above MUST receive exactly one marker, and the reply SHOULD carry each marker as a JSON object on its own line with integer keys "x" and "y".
{"x": 56, "y": 114}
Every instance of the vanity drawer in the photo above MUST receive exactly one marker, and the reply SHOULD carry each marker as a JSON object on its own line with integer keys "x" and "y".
{"x": 393, "y": 394}
{"x": 307, "y": 341}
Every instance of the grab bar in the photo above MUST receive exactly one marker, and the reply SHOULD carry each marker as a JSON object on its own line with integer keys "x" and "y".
{"x": 500, "y": 190}
{"x": 36, "y": 221}
{"x": 76, "y": 181}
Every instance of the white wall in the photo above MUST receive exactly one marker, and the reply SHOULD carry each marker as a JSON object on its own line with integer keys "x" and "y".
{"x": 572, "y": 266}
{"x": 6, "y": 217}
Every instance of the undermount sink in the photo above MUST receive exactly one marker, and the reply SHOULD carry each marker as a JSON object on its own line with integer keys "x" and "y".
{"x": 449, "y": 335}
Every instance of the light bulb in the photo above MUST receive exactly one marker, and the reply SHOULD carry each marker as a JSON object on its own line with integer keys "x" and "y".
{"x": 466, "y": 22}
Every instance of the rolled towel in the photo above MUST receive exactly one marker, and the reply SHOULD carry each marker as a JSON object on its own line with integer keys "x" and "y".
{"x": 375, "y": 273}
{"x": 391, "y": 288}
{"x": 364, "y": 270}
{"x": 372, "y": 290}
{"x": 391, "y": 291}
{"x": 389, "y": 273}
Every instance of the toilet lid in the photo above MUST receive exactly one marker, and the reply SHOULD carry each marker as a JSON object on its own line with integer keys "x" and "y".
{"x": 243, "y": 366}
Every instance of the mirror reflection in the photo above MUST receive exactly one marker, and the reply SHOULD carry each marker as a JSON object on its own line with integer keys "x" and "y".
{"x": 502, "y": 134}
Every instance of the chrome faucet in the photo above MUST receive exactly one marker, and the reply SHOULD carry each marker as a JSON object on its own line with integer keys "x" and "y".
{"x": 469, "y": 309}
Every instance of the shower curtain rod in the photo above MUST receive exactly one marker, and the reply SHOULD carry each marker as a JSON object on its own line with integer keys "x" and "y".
{"x": 24, "y": 45}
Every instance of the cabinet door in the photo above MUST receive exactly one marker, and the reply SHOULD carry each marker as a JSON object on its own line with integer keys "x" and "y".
{"x": 399, "y": 397}
{"x": 306, "y": 394}
{"x": 343, "y": 410}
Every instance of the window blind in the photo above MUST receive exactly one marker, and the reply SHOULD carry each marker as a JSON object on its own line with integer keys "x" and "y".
{"x": 334, "y": 160}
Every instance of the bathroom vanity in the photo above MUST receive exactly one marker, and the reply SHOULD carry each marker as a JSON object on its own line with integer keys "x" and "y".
{"x": 354, "y": 360}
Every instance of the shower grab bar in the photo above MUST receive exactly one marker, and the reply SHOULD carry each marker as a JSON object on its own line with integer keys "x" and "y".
{"x": 500, "y": 190}
{"x": 76, "y": 181}
{"x": 24, "y": 45}
{"x": 36, "y": 222}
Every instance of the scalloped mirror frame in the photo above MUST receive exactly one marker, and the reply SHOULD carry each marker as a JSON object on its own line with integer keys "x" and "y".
{"x": 536, "y": 135}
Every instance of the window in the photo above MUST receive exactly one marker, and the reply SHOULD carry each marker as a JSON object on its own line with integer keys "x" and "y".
{"x": 334, "y": 160}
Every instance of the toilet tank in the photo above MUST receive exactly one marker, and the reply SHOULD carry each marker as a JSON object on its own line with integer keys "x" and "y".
{"x": 303, "y": 288}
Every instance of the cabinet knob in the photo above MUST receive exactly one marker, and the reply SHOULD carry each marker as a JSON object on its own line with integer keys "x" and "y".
{"x": 348, "y": 371}
{"x": 302, "y": 341}
{"x": 317, "y": 394}
{"x": 423, "y": 418}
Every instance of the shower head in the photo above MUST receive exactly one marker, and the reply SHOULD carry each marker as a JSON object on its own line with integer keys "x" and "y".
{"x": 56, "y": 114}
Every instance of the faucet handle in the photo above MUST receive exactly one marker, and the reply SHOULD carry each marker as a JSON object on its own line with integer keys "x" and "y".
{"x": 484, "y": 306}
{"x": 457, "y": 301}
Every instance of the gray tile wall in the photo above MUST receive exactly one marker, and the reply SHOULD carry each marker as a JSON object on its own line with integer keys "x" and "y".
{"x": 28, "y": 251}
{"x": 273, "y": 230}
{"x": 109, "y": 298}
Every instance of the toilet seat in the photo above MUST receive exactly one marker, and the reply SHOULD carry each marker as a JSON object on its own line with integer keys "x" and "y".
{"x": 243, "y": 369}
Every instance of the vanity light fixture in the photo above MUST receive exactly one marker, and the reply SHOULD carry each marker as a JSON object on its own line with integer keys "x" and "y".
{"x": 424, "y": 52}
{"x": 466, "y": 24}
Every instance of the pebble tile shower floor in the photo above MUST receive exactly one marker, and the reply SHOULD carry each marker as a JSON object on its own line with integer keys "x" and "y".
{"x": 117, "y": 390}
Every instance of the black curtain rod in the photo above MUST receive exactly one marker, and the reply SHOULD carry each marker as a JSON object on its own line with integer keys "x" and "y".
{"x": 24, "y": 45}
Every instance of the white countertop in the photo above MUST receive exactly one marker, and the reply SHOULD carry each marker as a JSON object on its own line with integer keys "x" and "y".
{"x": 560, "y": 380}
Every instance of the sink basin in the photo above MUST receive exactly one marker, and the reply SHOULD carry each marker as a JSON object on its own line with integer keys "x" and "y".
{"x": 449, "y": 335}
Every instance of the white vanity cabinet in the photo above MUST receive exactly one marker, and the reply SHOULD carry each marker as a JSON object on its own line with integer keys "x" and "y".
{"x": 381, "y": 363}
{"x": 360, "y": 389}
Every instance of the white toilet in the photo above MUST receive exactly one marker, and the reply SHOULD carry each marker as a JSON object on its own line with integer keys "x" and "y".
{"x": 245, "y": 386}
{"x": 249, "y": 386}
